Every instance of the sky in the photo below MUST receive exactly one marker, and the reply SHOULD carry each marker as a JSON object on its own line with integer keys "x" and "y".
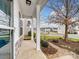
{"x": 45, "y": 12}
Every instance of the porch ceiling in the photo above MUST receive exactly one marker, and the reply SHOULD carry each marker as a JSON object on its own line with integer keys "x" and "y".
{"x": 28, "y": 11}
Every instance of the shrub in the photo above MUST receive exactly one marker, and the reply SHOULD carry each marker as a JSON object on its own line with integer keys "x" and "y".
{"x": 29, "y": 33}
{"x": 55, "y": 41}
{"x": 77, "y": 51}
{"x": 35, "y": 40}
{"x": 34, "y": 35}
{"x": 75, "y": 32}
{"x": 60, "y": 38}
{"x": 44, "y": 43}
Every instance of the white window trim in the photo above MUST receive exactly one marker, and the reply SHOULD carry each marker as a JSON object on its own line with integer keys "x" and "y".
{"x": 6, "y": 27}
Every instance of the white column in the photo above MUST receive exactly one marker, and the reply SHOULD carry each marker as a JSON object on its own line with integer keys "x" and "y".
{"x": 23, "y": 28}
{"x": 16, "y": 26}
{"x": 38, "y": 28}
{"x": 32, "y": 27}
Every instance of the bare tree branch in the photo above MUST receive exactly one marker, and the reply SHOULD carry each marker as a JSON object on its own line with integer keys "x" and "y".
{"x": 73, "y": 22}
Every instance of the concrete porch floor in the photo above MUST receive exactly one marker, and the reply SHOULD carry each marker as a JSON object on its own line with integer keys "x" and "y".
{"x": 28, "y": 51}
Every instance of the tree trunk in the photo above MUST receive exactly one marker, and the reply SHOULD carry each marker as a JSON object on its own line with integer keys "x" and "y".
{"x": 66, "y": 31}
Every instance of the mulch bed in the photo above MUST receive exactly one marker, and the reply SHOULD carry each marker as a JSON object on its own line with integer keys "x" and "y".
{"x": 49, "y": 50}
{"x": 73, "y": 46}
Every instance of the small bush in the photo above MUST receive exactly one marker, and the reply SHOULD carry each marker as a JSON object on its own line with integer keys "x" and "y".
{"x": 29, "y": 33}
{"x": 77, "y": 51}
{"x": 55, "y": 41}
{"x": 35, "y": 40}
{"x": 60, "y": 38}
{"x": 44, "y": 43}
{"x": 34, "y": 35}
{"x": 75, "y": 32}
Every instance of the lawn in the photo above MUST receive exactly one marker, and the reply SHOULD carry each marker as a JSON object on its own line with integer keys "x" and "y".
{"x": 43, "y": 37}
{"x": 46, "y": 37}
{"x": 74, "y": 39}
{"x": 51, "y": 37}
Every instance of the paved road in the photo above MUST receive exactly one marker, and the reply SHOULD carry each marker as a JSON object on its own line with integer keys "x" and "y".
{"x": 69, "y": 35}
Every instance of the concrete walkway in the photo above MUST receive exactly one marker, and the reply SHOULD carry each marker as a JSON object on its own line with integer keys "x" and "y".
{"x": 28, "y": 51}
{"x": 62, "y": 53}
{"x": 65, "y": 57}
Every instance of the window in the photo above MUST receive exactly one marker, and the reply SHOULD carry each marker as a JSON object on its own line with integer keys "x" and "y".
{"x": 5, "y": 12}
{"x": 6, "y": 30}
{"x": 5, "y": 6}
{"x": 4, "y": 37}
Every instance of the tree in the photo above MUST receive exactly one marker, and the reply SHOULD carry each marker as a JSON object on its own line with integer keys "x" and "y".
{"x": 65, "y": 11}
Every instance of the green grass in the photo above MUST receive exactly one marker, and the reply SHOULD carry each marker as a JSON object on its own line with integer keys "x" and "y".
{"x": 45, "y": 37}
{"x": 51, "y": 37}
{"x": 74, "y": 39}
{"x": 57, "y": 38}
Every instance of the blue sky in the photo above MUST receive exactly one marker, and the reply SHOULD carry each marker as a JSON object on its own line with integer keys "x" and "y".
{"x": 45, "y": 12}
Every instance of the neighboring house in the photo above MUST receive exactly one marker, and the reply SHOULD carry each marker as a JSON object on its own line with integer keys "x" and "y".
{"x": 61, "y": 29}
{"x": 53, "y": 27}
{"x": 77, "y": 29}
{"x": 73, "y": 28}
{"x": 46, "y": 27}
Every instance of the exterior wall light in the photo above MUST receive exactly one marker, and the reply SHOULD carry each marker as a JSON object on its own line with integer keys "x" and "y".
{"x": 28, "y": 2}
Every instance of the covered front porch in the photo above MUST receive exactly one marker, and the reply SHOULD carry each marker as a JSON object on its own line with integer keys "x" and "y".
{"x": 27, "y": 49}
